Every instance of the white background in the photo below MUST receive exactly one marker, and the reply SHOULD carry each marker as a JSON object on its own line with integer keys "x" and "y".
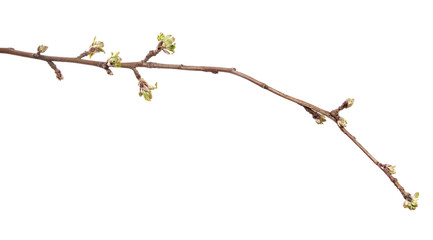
{"x": 214, "y": 156}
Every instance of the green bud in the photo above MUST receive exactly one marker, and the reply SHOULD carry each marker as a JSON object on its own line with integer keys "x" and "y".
{"x": 390, "y": 169}
{"x": 42, "y": 48}
{"x": 412, "y": 205}
{"x": 321, "y": 119}
{"x": 161, "y": 36}
{"x": 168, "y": 44}
{"x": 349, "y": 102}
{"x": 146, "y": 89}
{"x": 98, "y": 44}
{"x": 95, "y": 47}
{"x": 114, "y": 60}
{"x": 342, "y": 122}
{"x": 147, "y": 95}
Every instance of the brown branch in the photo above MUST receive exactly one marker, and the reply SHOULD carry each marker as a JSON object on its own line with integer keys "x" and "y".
{"x": 136, "y": 73}
{"x": 56, "y": 70}
{"x": 153, "y": 53}
{"x": 312, "y": 109}
{"x": 83, "y": 54}
{"x": 131, "y": 65}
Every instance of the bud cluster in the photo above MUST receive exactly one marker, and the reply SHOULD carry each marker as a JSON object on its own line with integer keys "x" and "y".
{"x": 168, "y": 44}
{"x": 320, "y": 119}
{"x": 342, "y": 122}
{"x": 114, "y": 60}
{"x": 42, "y": 49}
{"x": 146, "y": 89}
{"x": 412, "y": 205}
{"x": 96, "y": 47}
{"x": 390, "y": 169}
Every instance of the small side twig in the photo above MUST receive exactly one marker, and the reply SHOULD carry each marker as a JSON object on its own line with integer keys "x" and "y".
{"x": 56, "y": 70}
{"x": 137, "y": 74}
{"x": 346, "y": 104}
{"x": 105, "y": 66}
{"x": 95, "y": 47}
{"x": 83, "y": 54}
{"x": 153, "y": 53}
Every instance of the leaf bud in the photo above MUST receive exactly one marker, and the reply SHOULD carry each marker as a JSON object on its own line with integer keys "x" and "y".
{"x": 349, "y": 102}
{"x": 96, "y": 47}
{"x": 168, "y": 44}
{"x": 342, "y": 122}
{"x": 42, "y": 48}
{"x": 390, "y": 169}
{"x": 114, "y": 60}
{"x": 321, "y": 119}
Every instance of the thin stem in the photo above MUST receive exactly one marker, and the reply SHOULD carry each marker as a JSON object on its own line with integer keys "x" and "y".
{"x": 153, "y": 53}
{"x": 56, "y": 70}
{"x": 83, "y": 54}
{"x": 136, "y": 73}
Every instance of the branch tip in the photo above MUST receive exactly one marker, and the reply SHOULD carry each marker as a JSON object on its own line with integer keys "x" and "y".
{"x": 166, "y": 43}
{"x": 146, "y": 89}
{"x": 56, "y": 70}
{"x": 349, "y": 102}
{"x": 411, "y": 202}
{"x": 346, "y": 104}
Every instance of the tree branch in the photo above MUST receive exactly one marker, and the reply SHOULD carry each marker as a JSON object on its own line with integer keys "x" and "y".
{"x": 132, "y": 65}
{"x": 317, "y": 113}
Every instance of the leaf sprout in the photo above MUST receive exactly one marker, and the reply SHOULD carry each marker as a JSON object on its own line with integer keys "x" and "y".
{"x": 168, "y": 44}
{"x": 95, "y": 47}
{"x": 114, "y": 60}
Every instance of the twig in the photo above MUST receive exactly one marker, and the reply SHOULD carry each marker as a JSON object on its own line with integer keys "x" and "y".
{"x": 83, "y": 54}
{"x": 153, "y": 53}
{"x": 136, "y": 73}
{"x": 56, "y": 70}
